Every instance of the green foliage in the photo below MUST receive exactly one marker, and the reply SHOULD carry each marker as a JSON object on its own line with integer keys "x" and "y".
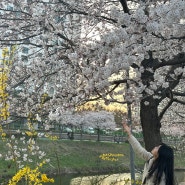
{"x": 83, "y": 157}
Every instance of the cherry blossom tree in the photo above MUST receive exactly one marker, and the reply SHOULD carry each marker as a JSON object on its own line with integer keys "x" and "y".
{"x": 83, "y": 50}
{"x": 101, "y": 120}
{"x": 98, "y": 120}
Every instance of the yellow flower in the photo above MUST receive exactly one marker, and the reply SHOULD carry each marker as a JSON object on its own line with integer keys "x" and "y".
{"x": 5, "y": 52}
{"x": 110, "y": 156}
{"x": 31, "y": 176}
{"x": 30, "y": 134}
{"x": 44, "y": 178}
{"x": 3, "y": 134}
{"x": 54, "y": 138}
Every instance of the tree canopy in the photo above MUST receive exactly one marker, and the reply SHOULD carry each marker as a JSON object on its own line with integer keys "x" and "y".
{"x": 82, "y": 50}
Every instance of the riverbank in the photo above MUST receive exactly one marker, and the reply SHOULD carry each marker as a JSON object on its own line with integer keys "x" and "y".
{"x": 83, "y": 157}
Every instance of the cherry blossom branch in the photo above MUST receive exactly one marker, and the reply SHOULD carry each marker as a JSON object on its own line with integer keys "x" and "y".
{"x": 165, "y": 109}
{"x": 179, "y": 114}
{"x": 167, "y": 92}
{"x": 179, "y": 101}
{"x": 16, "y": 40}
{"x": 21, "y": 81}
{"x": 75, "y": 11}
{"x": 171, "y": 38}
{"x": 125, "y": 6}
{"x": 118, "y": 82}
{"x": 178, "y": 59}
{"x": 178, "y": 93}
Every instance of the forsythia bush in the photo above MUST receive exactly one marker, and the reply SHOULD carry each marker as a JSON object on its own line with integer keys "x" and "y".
{"x": 32, "y": 177}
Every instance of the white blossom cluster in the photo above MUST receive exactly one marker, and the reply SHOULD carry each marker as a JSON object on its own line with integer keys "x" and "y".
{"x": 24, "y": 151}
{"x": 76, "y": 47}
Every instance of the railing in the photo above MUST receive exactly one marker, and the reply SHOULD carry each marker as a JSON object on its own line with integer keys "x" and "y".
{"x": 77, "y": 136}
{"x": 93, "y": 137}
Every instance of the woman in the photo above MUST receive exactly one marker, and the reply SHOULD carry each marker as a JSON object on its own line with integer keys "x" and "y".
{"x": 159, "y": 166}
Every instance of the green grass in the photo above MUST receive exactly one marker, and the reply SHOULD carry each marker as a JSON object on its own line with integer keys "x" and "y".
{"x": 82, "y": 157}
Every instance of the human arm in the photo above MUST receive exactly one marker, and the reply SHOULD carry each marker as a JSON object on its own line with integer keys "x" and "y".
{"x": 138, "y": 149}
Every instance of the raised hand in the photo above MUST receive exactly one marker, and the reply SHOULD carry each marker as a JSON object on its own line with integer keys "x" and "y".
{"x": 126, "y": 128}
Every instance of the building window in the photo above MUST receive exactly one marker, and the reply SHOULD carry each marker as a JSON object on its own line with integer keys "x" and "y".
{"x": 9, "y": 7}
{"x": 24, "y": 58}
{"x": 25, "y": 50}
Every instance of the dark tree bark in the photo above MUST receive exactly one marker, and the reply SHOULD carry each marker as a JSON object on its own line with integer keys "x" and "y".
{"x": 150, "y": 118}
{"x": 150, "y": 123}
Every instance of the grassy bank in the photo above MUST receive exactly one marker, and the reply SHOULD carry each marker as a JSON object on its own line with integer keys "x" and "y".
{"x": 83, "y": 156}
{"x": 68, "y": 156}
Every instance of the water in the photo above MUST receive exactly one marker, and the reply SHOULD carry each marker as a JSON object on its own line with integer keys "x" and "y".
{"x": 66, "y": 179}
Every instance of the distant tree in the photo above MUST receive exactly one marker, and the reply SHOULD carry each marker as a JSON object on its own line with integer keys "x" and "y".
{"x": 117, "y": 109}
{"x": 101, "y": 120}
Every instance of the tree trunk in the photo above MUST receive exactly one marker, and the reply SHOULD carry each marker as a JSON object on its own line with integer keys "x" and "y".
{"x": 150, "y": 123}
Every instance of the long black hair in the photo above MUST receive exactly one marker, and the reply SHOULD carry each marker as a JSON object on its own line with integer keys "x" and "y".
{"x": 164, "y": 164}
